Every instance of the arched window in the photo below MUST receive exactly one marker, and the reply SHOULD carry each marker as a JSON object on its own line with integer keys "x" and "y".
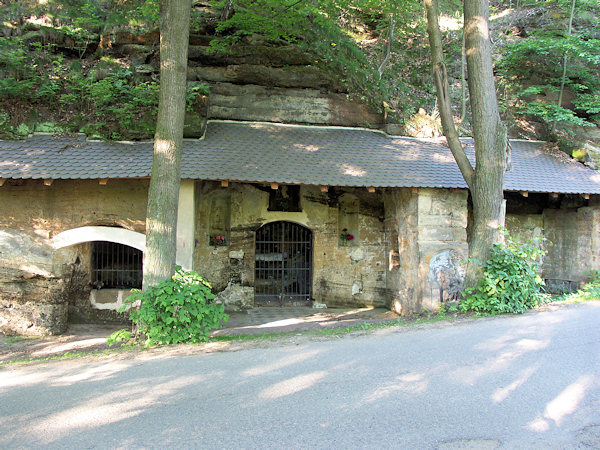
{"x": 116, "y": 266}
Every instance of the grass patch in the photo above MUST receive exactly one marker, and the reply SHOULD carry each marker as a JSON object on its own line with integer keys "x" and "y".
{"x": 365, "y": 326}
{"x": 589, "y": 292}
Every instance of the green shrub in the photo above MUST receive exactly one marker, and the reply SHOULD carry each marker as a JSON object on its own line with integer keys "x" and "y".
{"x": 177, "y": 310}
{"x": 120, "y": 336}
{"x": 510, "y": 282}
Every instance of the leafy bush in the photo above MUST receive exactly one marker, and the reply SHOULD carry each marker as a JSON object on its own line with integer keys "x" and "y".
{"x": 177, "y": 310}
{"x": 510, "y": 282}
{"x": 119, "y": 336}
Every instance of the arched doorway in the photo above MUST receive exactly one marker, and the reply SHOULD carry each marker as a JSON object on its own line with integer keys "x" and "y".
{"x": 283, "y": 265}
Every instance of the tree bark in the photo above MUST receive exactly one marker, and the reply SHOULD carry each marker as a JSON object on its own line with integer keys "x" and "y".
{"x": 163, "y": 194}
{"x": 490, "y": 137}
{"x": 489, "y": 133}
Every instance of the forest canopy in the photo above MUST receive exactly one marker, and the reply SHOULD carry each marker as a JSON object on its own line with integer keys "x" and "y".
{"x": 62, "y": 68}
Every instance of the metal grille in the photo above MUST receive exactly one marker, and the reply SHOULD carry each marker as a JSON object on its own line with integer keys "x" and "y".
{"x": 116, "y": 266}
{"x": 283, "y": 264}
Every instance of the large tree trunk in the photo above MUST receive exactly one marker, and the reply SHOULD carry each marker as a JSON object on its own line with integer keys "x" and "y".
{"x": 489, "y": 133}
{"x": 163, "y": 194}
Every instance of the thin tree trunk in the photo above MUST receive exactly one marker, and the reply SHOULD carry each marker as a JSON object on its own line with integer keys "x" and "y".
{"x": 463, "y": 81}
{"x": 565, "y": 60}
{"x": 388, "y": 48}
{"x": 163, "y": 194}
{"x": 443, "y": 95}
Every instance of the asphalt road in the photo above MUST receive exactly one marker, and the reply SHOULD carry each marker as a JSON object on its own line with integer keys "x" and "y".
{"x": 529, "y": 381}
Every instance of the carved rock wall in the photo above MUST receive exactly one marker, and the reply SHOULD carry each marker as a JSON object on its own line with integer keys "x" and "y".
{"x": 38, "y": 284}
{"x": 351, "y": 275}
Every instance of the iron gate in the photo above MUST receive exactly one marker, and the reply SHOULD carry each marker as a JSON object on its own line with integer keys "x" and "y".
{"x": 283, "y": 264}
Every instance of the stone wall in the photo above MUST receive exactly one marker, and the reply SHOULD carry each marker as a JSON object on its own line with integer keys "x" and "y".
{"x": 428, "y": 235}
{"x": 572, "y": 234}
{"x": 38, "y": 284}
{"x": 575, "y": 248}
{"x": 342, "y": 275}
{"x": 443, "y": 247}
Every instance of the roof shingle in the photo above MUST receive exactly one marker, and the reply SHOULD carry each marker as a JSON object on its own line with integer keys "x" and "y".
{"x": 260, "y": 152}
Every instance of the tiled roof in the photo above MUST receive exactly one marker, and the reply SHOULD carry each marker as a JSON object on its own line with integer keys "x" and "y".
{"x": 259, "y": 152}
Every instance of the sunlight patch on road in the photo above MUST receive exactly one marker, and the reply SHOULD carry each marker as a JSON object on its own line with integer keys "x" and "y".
{"x": 293, "y": 385}
{"x": 502, "y": 393}
{"x": 90, "y": 372}
{"x": 470, "y": 374}
{"x": 412, "y": 383}
{"x": 131, "y": 400}
{"x": 563, "y": 404}
{"x": 283, "y": 362}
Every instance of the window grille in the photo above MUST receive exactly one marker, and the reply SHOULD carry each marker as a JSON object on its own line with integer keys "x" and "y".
{"x": 283, "y": 265}
{"x": 116, "y": 266}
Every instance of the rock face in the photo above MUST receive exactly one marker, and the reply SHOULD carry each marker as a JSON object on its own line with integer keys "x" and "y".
{"x": 236, "y": 298}
{"x": 40, "y": 286}
{"x": 257, "y": 81}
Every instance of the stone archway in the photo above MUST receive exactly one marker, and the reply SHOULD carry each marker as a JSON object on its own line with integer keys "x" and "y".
{"x": 93, "y": 233}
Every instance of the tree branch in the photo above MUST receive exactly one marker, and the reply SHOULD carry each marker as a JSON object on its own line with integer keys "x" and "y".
{"x": 443, "y": 95}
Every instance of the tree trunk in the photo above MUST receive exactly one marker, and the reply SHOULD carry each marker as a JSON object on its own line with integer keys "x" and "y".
{"x": 565, "y": 61}
{"x": 489, "y": 133}
{"x": 163, "y": 194}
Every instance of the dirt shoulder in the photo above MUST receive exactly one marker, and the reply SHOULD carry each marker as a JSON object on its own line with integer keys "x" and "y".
{"x": 86, "y": 340}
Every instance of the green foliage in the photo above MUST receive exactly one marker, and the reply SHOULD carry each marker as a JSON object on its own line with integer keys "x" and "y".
{"x": 118, "y": 336}
{"x": 510, "y": 282}
{"x": 539, "y": 57}
{"x": 590, "y": 291}
{"x": 177, "y": 310}
{"x": 194, "y": 91}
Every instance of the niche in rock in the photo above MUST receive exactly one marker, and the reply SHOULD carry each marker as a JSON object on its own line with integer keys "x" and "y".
{"x": 219, "y": 219}
{"x": 348, "y": 220}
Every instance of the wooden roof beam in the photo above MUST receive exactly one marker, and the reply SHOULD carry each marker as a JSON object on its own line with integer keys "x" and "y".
{"x": 103, "y": 181}
{"x": 224, "y": 183}
{"x": 324, "y": 188}
{"x": 370, "y": 189}
{"x": 2, "y": 181}
{"x": 525, "y": 193}
{"x": 48, "y": 181}
{"x": 275, "y": 186}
